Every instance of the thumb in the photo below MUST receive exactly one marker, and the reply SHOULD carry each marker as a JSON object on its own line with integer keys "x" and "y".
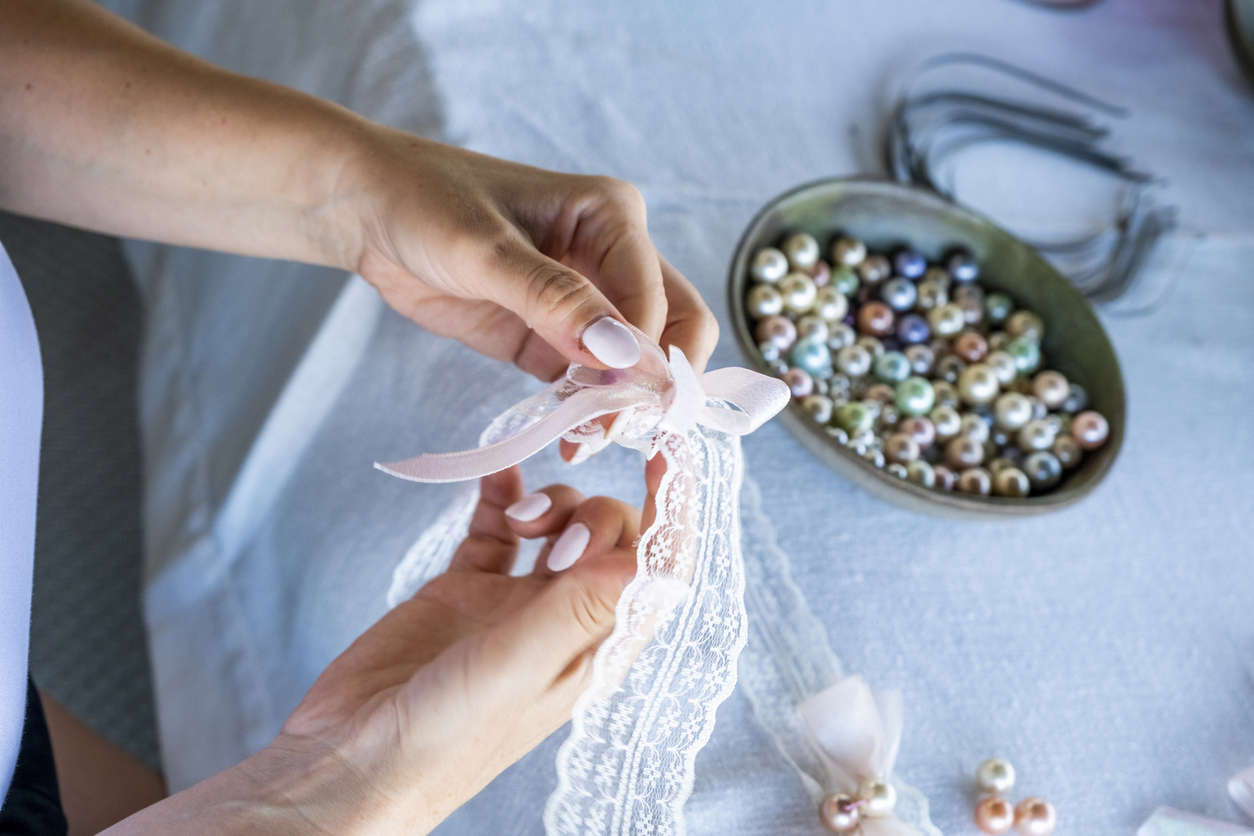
{"x": 562, "y": 306}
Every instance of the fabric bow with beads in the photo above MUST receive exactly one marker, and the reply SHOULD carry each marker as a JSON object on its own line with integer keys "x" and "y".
{"x": 656, "y": 395}
{"x": 857, "y": 734}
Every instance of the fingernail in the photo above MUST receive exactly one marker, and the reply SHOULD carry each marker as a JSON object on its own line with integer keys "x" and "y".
{"x": 529, "y": 508}
{"x": 569, "y": 547}
{"x": 612, "y": 343}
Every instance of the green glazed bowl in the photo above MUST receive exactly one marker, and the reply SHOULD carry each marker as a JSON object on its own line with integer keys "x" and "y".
{"x": 886, "y": 215}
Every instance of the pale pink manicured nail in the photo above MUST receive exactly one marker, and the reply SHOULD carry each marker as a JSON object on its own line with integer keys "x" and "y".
{"x": 612, "y": 343}
{"x": 529, "y": 508}
{"x": 569, "y": 547}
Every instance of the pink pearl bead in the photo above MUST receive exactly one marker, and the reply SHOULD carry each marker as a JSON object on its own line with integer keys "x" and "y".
{"x": 1090, "y": 430}
{"x": 799, "y": 381}
{"x": 920, "y": 429}
{"x": 1035, "y": 817}
{"x": 993, "y": 814}
{"x": 776, "y": 330}
{"x": 822, "y": 274}
{"x": 970, "y": 346}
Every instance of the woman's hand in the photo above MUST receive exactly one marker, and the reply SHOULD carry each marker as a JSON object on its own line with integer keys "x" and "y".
{"x": 524, "y": 265}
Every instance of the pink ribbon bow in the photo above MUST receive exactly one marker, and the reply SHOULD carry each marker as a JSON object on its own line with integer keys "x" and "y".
{"x": 654, "y": 395}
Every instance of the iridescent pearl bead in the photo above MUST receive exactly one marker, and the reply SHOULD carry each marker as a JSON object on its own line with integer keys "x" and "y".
{"x": 769, "y": 351}
{"x": 974, "y": 426}
{"x": 932, "y": 294}
{"x": 998, "y": 464}
{"x": 1043, "y": 470}
{"x": 802, "y": 250}
{"x": 821, "y": 387}
{"x": 997, "y": 306}
{"x": 998, "y": 340}
{"x": 769, "y": 265}
{"x": 799, "y": 382}
{"x": 844, "y": 280}
{"x": 970, "y": 346}
{"x": 874, "y": 269}
{"x": 921, "y": 358}
{"x": 946, "y": 479}
{"x": 1003, "y": 365}
{"x": 915, "y": 396}
{"x": 1035, "y": 435}
{"x": 962, "y": 265}
{"x": 972, "y": 311}
{"x": 977, "y": 385}
{"x": 950, "y": 367}
{"x": 811, "y": 327}
{"x": 899, "y": 294}
{"x": 813, "y": 356}
{"x": 909, "y": 263}
{"x": 1026, "y": 354}
{"x": 912, "y": 329}
{"x": 900, "y": 447}
{"x": 946, "y": 422}
{"x": 798, "y": 291}
{"x": 853, "y": 417}
{"x": 839, "y": 813}
{"x": 853, "y": 360}
{"x": 872, "y": 345}
{"x": 1025, "y": 324}
{"x": 848, "y": 250}
{"x": 1068, "y": 451}
{"x": 830, "y": 304}
{"x": 1011, "y": 482}
{"x": 994, "y": 815}
{"x": 1012, "y": 410}
{"x": 892, "y": 367}
{"x": 1090, "y": 429}
{"x": 920, "y": 429}
{"x": 946, "y": 393}
{"x": 880, "y": 393}
{"x": 822, "y": 274}
{"x": 1035, "y": 817}
{"x": 964, "y": 452}
{"x": 776, "y": 330}
{"x": 763, "y": 300}
{"x": 875, "y": 318}
{"x": 840, "y": 335}
{"x": 879, "y": 797}
{"x": 921, "y": 473}
{"x": 936, "y": 274}
{"x": 819, "y": 407}
{"x": 1051, "y": 387}
{"x": 975, "y": 480}
{"x": 947, "y": 319}
{"x": 1076, "y": 400}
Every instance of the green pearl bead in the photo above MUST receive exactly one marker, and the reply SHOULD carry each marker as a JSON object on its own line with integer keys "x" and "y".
{"x": 813, "y": 356}
{"x": 915, "y": 396}
{"x": 997, "y": 306}
{"x": 854, "y": 417}
{"x": 844, "y": 280}
{"x": 1026, "y": 354}
{"x": 892, "y": 367}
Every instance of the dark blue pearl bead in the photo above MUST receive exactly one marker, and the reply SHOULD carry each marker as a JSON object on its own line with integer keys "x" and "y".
{"x": 912, "y": 329}
{"x": 962, "y": 265}
{"x": 909, "y": 263}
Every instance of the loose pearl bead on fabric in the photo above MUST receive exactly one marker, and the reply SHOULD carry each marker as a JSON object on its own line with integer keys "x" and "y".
{"x": 769, "y": 265}
{"x": 798, "y": 291}
{"x": 1035, "y": 817}
{"x": 876, "y": 319}
{"x": 994, "y": 815}
{"x": 848, "y": 251}
{"x": 764, "y": 300}
{"x": 1052, "y": 388}
{"x": 801, "y": 250}
{"x": 839, "y": 813}
{"x": 1090, "y": 430}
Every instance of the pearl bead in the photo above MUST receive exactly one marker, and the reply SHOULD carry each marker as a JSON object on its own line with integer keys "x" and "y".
{"x": 769, "y": 265}
{"x": 932, "y": 294}
{"x": 899, "y": 294}
{"x": 874, "y": 269}
{"x": 1043, "y": 470}
{"x": 1068, "y": 451}
{"x": 853, "y": 360}
{"x": 854, "y": 417}
{"x": 776, "y": 330}
{"x": 998, "y": 340}
{"x": 837, "y": 433}
{"x": 840, "y": 335}
{"x": 1012, "y": 482}
{"x": 875, "y": 318}
{"x": 947, "y": 319}
{"x": 915, "y": 396}
{"x": 839, "y": 813}
{"x": 998, "y": 464}
{"x": 1012, "y": 410}
{"x": 802, "y": 250}
{"x": 970, "y": 346}
{"x": 819, "y": 407}
{"x": 909, "y": 263}
{"x": 896, "y": 469}
{"x": 964, "y": 452}
{"x": 921, "y": 359}
{"x": 977, "y": 384}
{"x": 1052, "y": 388}
{"x": 946, "y": 479}
{"x": 1025, "y": 324}
{"x": 1035, "y": 435}
{"x": 848, "y": 251}
{"x": 831, "y": 304}
{"x": 763, "y": 300}
{"x": 798, "y": 291}
{"x": 769, "y": 352}
{"x": 821, "y": 273}
{"x": 1003, "y": 365}
{"x": 946, "y": 421}
{"x": 946, "y": 393}
{"x": 912, "y": 329}
{"x": 799, "y": 382}
{"x": 994, "y": 815}
{"x": 900, "y": 447}
{"x": 975, "y": 480}
{"x": 1090, "y": 430}
{"x": 875, "y": 457}
{"x": 997, "y": 306}
{"x": 880, "y": 393}
{"x": 962, "y": 265}
{"x": 1026, "y": 354}
{"x": 920, "y": 429}
{"x": 972, "y": 311}
{"x": 1076, "y": 400}
{"x": 973, "y": 426}
{"x": 844, "y": 280}
{"x": 813, "y": 356}
{"x": 1035, "y": 817}
{"x": 811, "y": 327}
{"x": 949, "y": 368}
{"x": 880, "y": 797}
{"x": 921, "y": 473}
{"x": 871, "y": 344}
{"x": 892, "y": 367}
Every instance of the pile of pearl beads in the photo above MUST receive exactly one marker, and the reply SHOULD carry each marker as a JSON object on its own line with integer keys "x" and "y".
{"x": 1033, "y": 816}
{"x": 917, "y": 367}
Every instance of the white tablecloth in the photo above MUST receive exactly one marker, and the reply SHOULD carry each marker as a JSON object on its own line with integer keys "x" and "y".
{"x": 1108, "y": 650}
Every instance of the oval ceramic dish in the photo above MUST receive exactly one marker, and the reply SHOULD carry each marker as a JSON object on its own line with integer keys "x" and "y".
{"x": 886, "y": 215}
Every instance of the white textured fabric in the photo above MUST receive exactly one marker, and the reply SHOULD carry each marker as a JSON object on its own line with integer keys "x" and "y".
{"x": 21, "y": 413}
{"x": 1104, "y": 649}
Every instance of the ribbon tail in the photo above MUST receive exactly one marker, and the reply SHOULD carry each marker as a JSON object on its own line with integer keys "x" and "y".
{"x": 756, "y": 397}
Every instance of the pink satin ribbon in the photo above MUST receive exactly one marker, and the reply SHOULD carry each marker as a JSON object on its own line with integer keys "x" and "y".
{"x": 654, "y": 395}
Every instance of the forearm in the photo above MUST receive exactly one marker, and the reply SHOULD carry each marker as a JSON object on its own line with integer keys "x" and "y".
{"x": 104, "y": 127}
